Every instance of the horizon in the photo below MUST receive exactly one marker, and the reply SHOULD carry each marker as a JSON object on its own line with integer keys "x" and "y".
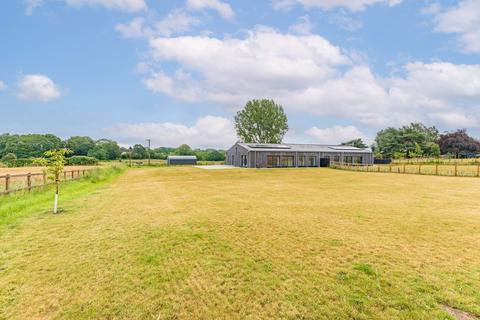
{"x": 177, "y": 72}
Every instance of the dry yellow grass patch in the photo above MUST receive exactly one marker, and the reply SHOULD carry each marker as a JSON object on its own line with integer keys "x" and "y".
{"x": 183, "y": 243}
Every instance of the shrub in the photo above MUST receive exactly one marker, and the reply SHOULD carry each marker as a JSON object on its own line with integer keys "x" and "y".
{"x": 9, "y": 159}
{"x": 82, "y": 161}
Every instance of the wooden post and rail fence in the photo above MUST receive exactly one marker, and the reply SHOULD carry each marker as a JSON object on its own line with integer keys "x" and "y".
{"x": 453, "y": 170}
{"x": 27, "y": 181}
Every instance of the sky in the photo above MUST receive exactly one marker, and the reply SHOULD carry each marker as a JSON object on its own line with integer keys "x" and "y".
{"x": 178, "y": 71}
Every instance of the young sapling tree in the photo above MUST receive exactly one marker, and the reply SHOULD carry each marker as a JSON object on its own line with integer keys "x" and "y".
{"x": 55, "y": 165}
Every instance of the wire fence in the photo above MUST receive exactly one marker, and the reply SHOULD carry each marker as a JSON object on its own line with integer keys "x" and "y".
{"x": 452, "y": 170}
{"x": 28, "y": 181}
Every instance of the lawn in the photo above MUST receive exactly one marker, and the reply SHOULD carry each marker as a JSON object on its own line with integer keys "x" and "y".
{"x": 186, "y": 243}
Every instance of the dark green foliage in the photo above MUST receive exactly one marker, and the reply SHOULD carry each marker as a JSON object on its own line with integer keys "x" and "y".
{"x": 459, "y": 144}
{"x": 210, "y": 155}
{"x": 261, "y": 121}
{"x": 28, "y": 145}
{"x": 105, "y": 150}
{"x": 184, "y": 150}
{"x": 80, "y": 145}
{"x": 139, "y": 152}
{"x": 82, "y": 161}
{"x": 414, "y": 140}
{"x": 357, "y": 143}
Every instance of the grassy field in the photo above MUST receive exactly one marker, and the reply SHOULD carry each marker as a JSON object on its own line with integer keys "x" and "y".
{"x": 186, "y": 243}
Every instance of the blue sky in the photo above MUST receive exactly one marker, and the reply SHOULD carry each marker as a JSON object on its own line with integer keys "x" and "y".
{"x": 177, "y": 71}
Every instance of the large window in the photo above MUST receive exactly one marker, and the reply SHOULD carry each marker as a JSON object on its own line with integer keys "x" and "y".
{"x": 273, "y": 161}
{"x": 358, "y": 159}
{"x": 244, "y": 161}
{"x": 348, "y": 159}
{"x": 287, "y": 161}
{"x": 302, "y": 161}
{"x": 312, "y": 161}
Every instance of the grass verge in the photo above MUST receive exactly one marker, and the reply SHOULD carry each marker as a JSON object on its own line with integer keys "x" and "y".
{"x": 18, "y": 205}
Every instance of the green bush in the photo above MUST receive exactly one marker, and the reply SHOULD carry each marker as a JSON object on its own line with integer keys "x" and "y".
{"x": 82, "y": 161}
{"x": 9, "y": 159}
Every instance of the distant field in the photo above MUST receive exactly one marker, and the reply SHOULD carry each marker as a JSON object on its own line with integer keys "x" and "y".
{"x": 185, "y": 243}
{"x": 25, "y": 170}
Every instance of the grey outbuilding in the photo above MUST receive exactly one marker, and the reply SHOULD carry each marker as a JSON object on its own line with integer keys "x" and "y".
{"x": 258, "y": 155}
{"x": 181, "y": 160}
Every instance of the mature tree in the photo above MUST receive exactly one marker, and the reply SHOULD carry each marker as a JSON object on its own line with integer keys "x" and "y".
{"x": 184, "y": 150}
{"x": 139, "y": 152}
{"x": 357, "y": 143}
{"x": 105, "y": 150}
{"x": 410, "y": 141}
{"x": 80, "y": 145}
{"x": 261, "y": 121}
{"x": 458, "y": 143}
{"x": 29, "y": 145}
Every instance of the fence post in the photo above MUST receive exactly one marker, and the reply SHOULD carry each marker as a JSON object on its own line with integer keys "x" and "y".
{"x": 64, "y": 175}
{"x": 29, "y": 181}
{"x": 436, "y": 169}
{"x": 390, "y": 168}
{"x": 7, "y": 183}
{"x": 404, "y": 167}
{"x": 420, "y": 168}
{"x": 456, "y": 169}
{"x": 44, "y": 178}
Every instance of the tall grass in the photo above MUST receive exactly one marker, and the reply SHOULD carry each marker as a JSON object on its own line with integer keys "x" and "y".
{"x": 23, "y": 204}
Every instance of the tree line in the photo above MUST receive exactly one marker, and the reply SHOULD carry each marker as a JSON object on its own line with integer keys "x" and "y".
{"x": 27, "y": 146}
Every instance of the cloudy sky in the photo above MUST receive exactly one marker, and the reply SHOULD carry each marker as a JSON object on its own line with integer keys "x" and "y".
{"x": 177, "y": 71}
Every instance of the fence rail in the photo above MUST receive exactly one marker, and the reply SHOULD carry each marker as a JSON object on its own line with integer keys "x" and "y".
{"x": 27, "y": 181}
{"x": 451, "y": 170}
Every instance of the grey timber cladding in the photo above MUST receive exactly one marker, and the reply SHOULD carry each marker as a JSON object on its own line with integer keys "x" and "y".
{"x": 294, "y": 155}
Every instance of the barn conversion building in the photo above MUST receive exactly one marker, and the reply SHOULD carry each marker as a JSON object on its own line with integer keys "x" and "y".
{"x": 255, "y": 155}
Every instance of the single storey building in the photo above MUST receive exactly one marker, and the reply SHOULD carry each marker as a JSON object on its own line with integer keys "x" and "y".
{"x": 181, "y": 160}
{"x": 257, "y": 155}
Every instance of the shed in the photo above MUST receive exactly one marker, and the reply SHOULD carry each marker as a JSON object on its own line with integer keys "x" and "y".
{"x": 181, "y": 160}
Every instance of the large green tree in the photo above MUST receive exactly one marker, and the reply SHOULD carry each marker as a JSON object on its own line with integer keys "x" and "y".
{"x": 410, "y": 141}
{"x": 357, "y": 143}
{"x": 184, "y": 150}
{"x": 28, "y": 145}
{"x": 105, "y": 150}
{"x": 80, "y": 145}
{"x": 261, "y": 121}
{"x": 458, "y": 143}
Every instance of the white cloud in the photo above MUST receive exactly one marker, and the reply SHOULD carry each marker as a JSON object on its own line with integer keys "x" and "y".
{"x": 37, "y": 87}
{"x": 352, "y": 5}
{"x": 176, "y": 22}
{"x": 334, "y": 135}
{"x": 303, "y": 26}
{"x": 462, "y": 19}
{"x": 134, "y": 29}
{"x": 3, "y": 86}
{"x": 121, "y": 5}
{"x": 30, "y": 5}
{"x": 223, "y": 8}
{"x": 307, "y": 73}
{"x": 345, "y": 21}
{"x": 207, "y": 132}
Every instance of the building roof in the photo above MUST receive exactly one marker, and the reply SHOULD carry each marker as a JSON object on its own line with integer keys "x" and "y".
{"x": 182, "y": 157}
{"x": 292, "y": 147}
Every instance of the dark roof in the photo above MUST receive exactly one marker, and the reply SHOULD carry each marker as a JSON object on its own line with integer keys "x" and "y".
{"x": 302, "y": 147}
{"x": 182, "y": 157}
